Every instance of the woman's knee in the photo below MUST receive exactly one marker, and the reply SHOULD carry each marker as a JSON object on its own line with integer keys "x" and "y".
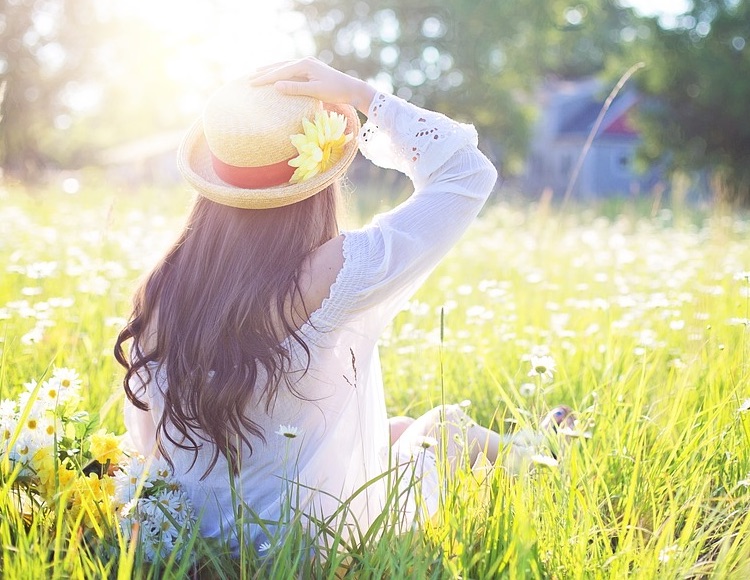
{"x": 398, "y": 425}
{"x": 451, "y": 417}
{"x": 450, "y": 420}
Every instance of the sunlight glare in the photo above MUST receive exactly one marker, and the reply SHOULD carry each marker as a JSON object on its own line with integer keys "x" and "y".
{"x": 660, "y": 7}
{"x": 234, "y": 37}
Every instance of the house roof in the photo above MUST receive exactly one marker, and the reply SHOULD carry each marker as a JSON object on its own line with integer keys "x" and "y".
{"x": 617, "y": 121}
{"x": 622, "y": 124}
{"x": 582, "y": 121}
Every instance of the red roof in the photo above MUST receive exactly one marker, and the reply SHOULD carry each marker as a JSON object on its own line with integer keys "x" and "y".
{"x": 622, "y": 125}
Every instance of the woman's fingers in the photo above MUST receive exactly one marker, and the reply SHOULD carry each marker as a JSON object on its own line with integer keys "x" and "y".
{"x": 294, "y": 88}
{"x": 282, "y": 71}
{"x": 270, "y": 77}
{"x": 313, "y": 78}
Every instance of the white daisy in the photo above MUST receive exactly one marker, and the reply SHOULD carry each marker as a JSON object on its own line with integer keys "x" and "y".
{"x": 24, "y": 448}
{"x": 49, "y": 393}
{"x": 7, "y": 409}
{"x": 33, "y": 336}
{"x": 52, "y": 394}
{"x": 542, "y": 366}
{"x": 289, "y": 431}
{"x": 68, "y": 378}
{"x": 169, "y": 500}
{"x": 150, "y": 548}
{"x": 545, "y": 460}
{"x": 129, "y": 478}
{"x": 527, "y": 390}
{"x": 29, "y": 403}
{"x": 156, "y": 517}
{"x": 8, "y": 426}
{"x": 425, "y": 442}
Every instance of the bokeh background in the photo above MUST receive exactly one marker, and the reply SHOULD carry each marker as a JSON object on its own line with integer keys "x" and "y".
{"x": 94, "y": 88}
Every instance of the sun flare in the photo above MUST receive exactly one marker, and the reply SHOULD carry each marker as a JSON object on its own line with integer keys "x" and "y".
{"x": 233, "y": 36}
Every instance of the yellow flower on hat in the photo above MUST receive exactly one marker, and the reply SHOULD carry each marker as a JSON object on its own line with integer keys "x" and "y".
{"x": 320, "y": 146}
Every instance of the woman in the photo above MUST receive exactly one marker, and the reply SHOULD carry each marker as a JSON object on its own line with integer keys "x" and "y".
{"x": 254, "y": 367}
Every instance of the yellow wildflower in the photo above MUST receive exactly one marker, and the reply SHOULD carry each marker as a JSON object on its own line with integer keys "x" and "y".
{"x": 92, "y": 501}
{"x": 105, "y": 447}
{"x": 52, "y": 476}
{"x": 320, "y": 146}
{"x": 65, "y": 476}
{"x": 43, "y": 464}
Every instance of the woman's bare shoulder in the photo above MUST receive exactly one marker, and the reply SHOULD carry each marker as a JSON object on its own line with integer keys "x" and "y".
{"x": 320, "y": 272}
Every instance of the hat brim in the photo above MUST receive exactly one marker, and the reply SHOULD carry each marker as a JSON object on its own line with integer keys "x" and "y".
{"x": 194, "y": 162}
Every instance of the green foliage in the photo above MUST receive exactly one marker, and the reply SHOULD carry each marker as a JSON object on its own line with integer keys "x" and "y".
{"x": 43, "y": 54}
{"x": 474, "y": 60}
{"x": 699, "y": 75}
{"x": 645, "y": 315}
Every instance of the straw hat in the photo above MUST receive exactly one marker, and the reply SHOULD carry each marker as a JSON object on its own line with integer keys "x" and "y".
{"x": 238, "y": 153}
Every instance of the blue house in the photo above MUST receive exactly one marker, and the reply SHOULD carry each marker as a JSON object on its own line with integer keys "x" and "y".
{"x": 568, "y": 112}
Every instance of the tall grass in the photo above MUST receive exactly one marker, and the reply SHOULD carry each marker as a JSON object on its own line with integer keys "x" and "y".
{"x": 646, "y": 317}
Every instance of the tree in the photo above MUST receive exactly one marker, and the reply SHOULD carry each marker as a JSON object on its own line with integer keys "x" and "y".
{"x": 474, "y": 59}
{"x": 79, "y": 77}
{"x": 39, "y": 56}
{"x": 699, "y": 76}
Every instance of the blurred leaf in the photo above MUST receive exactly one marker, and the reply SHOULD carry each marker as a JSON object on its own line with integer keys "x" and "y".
{"x": 475, "y": 60}
{"x": 699, "y": 74}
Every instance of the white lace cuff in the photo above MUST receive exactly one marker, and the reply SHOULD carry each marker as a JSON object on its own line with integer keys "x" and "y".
{"x": 400, "y": 135}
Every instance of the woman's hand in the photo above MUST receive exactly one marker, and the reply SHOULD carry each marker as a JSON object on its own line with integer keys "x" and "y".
{"x": 313, "y": 78}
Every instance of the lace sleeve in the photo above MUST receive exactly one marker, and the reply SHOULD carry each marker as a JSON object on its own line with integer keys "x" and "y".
{"x": 401, "y": 136}
{"x": 386, "y": 260}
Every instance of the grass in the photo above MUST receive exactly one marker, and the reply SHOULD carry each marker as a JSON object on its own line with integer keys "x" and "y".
{"x": 646, "y": 317}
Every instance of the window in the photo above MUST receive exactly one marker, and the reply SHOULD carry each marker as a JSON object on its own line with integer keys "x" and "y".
{"x": 622, "y": 160}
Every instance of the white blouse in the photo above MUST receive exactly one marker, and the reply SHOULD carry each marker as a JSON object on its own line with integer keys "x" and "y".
{"x": 339, "y": 405}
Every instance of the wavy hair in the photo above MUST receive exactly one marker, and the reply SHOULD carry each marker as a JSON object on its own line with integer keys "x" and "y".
{"x": 213, "y": 313}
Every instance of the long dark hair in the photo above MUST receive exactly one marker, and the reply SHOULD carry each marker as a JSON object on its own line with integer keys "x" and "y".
{"x": 213, "y": 313}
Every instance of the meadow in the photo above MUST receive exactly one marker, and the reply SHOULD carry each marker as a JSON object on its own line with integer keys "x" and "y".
{"x": 644, "y": 311}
